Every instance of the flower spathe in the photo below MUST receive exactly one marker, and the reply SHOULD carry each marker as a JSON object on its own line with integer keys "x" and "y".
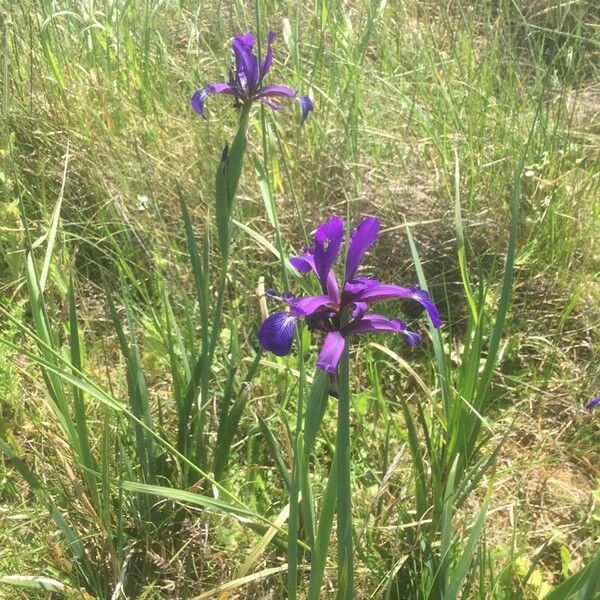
{"x": 340, "y": 312}
{"x": 246, "y": 80}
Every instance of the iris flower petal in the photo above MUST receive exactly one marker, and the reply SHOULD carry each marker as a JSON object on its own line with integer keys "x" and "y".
{"x": 276, "y": 334}
{"x": 592, "y": 403}
{"x": 303, "y": 263}
{"x": 311, "y": 304}
{"x": 200, "y": 97}
{"x": 331, "y": 352}
{"x": 328, "y": 241}
{"x": 363, "y": 237}
{"x": 382, "y": 292}
{"x": 374, "y": 323}
{"x": 277, "y": 91}
{"x": 306, "y": 105}
{"x": 358, "y": 285}
{"x": 246, "y": 63}
{"x": 268, "y": 61}
{"x": 198, "y": 100}
{"x": 220, "y": 88}
{"x": 306, "y": 262}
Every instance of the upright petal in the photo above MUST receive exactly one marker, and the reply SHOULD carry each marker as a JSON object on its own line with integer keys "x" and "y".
{"x": 277, "y": 333}
{"x": 198, "y": 100}
{"x": 374, "y": 323}
{"x": 306, "y": 105}
{"x": 363, "y": 238}
{"x": 268, "y": 61}
{"x": 328, "y": 241}
{"x": 277, "y": 91}
{"x": 306, "y": 262}
{"x": 592, "y": 403}
{"x": 331, "y": 352}
{"x": 381, "y": 292}
{"x": 246, "y": 63}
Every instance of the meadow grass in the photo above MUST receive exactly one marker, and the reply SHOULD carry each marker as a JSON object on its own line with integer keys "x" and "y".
{"x": 473, "y": 464}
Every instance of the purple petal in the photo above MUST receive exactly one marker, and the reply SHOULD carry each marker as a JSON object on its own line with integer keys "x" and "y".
{"x": 328, "y": 241}
{"x": 220, "y": 88}
{"x": 247, "y": 39}
{"x": 592, "y": 403}
{"x": 363, "y": 238}
{"x": 266, "y": 65}
{"x": 278, "y": 91}
{"x": 306, "y": 262}
{"x": 331, "y": 352}
{"x": 303, "y": 263}
{"x": 379, "y": 323}
{"x": 311, "y": 304}
{"x": 392, "y": 292}
{"x": 359, "y": 309}
{"x": 277, "y": 333}
{"x": 358, "y": 285}
{"x": 200, "y": 97}
{"x": 198, "y": 100}
{"x": 306, "y": 105}
{"x": 246, "y": 63}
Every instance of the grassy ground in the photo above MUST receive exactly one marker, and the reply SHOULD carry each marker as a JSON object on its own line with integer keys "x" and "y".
{"x": 417, "y": 104}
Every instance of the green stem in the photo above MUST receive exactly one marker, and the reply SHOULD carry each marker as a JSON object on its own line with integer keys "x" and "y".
{"x": 344, "y": 502}
{"x": 233, "y": 173}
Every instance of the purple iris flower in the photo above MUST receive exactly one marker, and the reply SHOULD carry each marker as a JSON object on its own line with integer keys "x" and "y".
{"x": 340, "y": 311}
{"x": 246, "y": 80}
{"x": 593, "y": 403}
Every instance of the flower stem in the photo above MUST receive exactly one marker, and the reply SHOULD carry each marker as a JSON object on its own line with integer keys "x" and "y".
{"x": 344, "y": 503}
{"x": 232, "y": 175}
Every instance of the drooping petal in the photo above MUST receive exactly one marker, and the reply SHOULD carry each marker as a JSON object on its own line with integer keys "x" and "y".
{"x": 592, "y": 403}
{"x": 374, "y": 323}
{"x": 311, "y": 304}
{"x": 198, "y": 100}
{"x": 306, "y": 105}
{"x": 331, "y": 352}
{"x": 268, "y": 61}
{"x": 328, "y": 241}
{"x": 276, "y": 334}
{"x": 246, "y": 63}
{"x": 381, "y": 292}
{"x": 363, "y": 238}
{"x": 200, "y": 96}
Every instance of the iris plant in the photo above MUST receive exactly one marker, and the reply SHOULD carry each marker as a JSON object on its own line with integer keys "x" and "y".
{"x": 341, "y": 311}
{"x": 246, "y": 80}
